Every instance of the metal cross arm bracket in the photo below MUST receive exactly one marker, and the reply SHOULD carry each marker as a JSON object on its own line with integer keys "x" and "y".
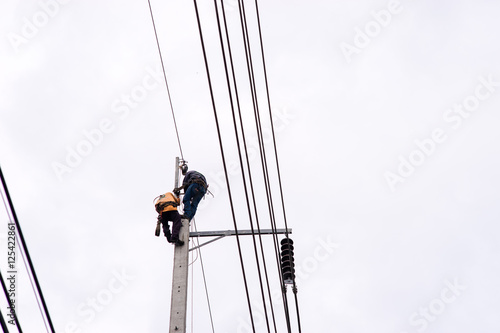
{"x": 224, "y": 233}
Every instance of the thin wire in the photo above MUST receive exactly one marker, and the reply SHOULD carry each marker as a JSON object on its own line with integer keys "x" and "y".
{"x": 9, "y": 215}
{"x": 240, "y": 157}
{"x": 204, "y": 277}
{"x": 195, "y": 259}
{"x": 197, "y": 256}
{"x": 33, "y": 286}
{"x": 9, "y": 301}
{"x": 248, "y": 167}
{"x": 276, "y": 152}
{"x": 224, "y": 165}
{"x": 5, "y": 329}
{"x": 25, "y": 248}
{"x": 262, "y": 153}
{"x": 165, "y": 76}
{"x": 192, "y": 296}
{"x": 254, "y": 202}
{"x": 4, "y": 287}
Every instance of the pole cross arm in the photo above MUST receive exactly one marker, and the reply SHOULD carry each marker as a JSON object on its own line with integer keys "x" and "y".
{"x": 224, "y": 233}
{"x": 240, "y": 232}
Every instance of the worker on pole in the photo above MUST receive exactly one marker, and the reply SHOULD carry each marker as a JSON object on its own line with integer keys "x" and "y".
{"x": 166, "y": 206}
{"x": 195, "y": 187}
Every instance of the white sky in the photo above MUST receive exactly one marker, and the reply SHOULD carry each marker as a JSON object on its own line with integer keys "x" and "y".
{"x": 381, "y": 245}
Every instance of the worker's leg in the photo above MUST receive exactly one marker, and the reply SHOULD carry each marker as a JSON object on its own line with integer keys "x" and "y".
{"x": 166, "y": 228}
{"x": 188, "y": 197}
{"x": 199, "y": 193}
{"x": 176, "y": 227}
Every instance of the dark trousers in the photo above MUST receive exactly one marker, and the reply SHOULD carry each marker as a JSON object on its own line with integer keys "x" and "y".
{"x": 171, "y": 215}
{"x": 192, "y": 197}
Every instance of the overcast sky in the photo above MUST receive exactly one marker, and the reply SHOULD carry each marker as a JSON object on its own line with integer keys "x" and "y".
{"x": 386, "y": 116}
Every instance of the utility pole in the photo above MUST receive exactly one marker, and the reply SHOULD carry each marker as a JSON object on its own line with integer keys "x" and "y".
{"x": 180, "y": 282}
{"x": 178, "y": 308}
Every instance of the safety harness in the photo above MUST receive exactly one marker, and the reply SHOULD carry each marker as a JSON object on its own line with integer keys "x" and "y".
{"x": 161, "y": 205}
{"x": 161, "y": 202}
{"x": 198, "y": 181}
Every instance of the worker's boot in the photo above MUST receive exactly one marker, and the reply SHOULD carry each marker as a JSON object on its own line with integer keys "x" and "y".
{"x": 176, "y": 241}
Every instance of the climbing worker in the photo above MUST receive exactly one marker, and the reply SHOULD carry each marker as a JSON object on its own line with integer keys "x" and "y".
{"x": 166, "y": 206}
{"x": 195, "y": 186}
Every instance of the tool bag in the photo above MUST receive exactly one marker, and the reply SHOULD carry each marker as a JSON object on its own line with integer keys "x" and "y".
{"x": 157, "y": 231}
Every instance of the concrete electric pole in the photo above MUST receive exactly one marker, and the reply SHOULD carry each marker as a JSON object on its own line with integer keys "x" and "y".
{"x": 178, "y": 307}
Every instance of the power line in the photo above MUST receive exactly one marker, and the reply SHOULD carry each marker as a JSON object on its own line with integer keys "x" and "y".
{"x": 13, "y": 311}
{"x": 192, "y": 297}
{"x": 258, "y": 124}
{"x": 224, "y": 163}
{"x": 239, "y": 151}
{"x": 25, "y": 248}
{"x": 9, "y": 215}
{"x": 165, "y": 76}
{"x": 246, "y": 42}
{"x": 249, "y": 168}
{"x": 276, "y": 151}
{"x": 265, "y": 169}
{"x": 5, "y": 329}
{"x": 204, "y": 278}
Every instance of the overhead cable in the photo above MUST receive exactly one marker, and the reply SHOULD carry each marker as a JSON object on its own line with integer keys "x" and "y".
{"x": 265, "y": 169}
{"x": 166, "y": 82}
{"x": 248, "y": 166}
{"x": 10, "y": 302}
{"x": 19, "y": 232}
{"x": 204, "y": 278}
{"x": 276, "y": 150}
{"x": 5, "y": 329}
{"x": 240, "y": 152}
{"x": 224, "y": 163}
